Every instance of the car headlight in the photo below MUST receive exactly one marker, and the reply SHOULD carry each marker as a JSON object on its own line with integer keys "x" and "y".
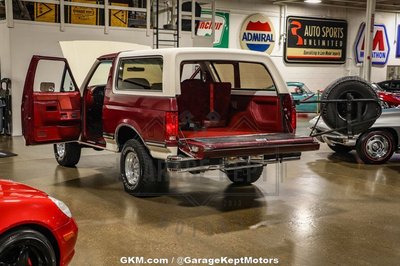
{"x": 62, "y": 206}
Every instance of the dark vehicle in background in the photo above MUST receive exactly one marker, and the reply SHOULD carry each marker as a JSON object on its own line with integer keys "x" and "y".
{"x": 390, "y": 85}
{"x": 35, "y": 229}
{"x": 301, "y": 95}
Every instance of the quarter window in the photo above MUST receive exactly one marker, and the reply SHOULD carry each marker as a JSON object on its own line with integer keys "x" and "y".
{"x": 140, "y": 74}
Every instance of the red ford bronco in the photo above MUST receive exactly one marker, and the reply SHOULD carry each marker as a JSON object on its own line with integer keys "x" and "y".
{"x": 184, "y": 109}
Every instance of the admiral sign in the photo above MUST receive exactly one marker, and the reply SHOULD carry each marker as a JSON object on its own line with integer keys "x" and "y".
{"x": 257, "y": 34}
{"x": 380, "y": 45}
{"x": 315, "y": 40}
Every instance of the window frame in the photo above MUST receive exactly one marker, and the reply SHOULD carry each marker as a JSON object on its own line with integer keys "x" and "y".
{"x": 95, "y": 69}
{"x": 210, "y": 65}
{"x": 121, "y": 59}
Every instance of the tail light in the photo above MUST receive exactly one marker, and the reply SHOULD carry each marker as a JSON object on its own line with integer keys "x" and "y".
{"x": 289, "y": 113}
{"x": 171, "y": 126}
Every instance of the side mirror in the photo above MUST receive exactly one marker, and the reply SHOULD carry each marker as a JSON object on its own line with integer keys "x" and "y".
{"x": 47, "y": 86}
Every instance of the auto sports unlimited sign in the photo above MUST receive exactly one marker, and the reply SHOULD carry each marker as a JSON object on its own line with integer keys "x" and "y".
{"x": 380, "y": 45}
{"x": 315, "y": 40}
{"x": 257, "y": 34}
{"x": 221, "y": 27}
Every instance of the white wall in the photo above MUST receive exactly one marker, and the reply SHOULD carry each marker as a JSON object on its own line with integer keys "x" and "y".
{"x": 316, "y": 76}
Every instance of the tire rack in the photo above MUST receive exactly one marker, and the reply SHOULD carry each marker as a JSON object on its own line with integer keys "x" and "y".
{"x": 5, "y": 105}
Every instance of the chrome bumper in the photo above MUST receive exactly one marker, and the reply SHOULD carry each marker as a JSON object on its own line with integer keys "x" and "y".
{"x": 186, "y": 164}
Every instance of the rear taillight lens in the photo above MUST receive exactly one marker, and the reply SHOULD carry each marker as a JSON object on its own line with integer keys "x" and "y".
{"x": 171, "y": 126}
{"x": 289, "y": 113}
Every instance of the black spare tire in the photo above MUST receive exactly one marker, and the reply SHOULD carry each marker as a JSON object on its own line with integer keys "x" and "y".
{"x": 334, "y": 114}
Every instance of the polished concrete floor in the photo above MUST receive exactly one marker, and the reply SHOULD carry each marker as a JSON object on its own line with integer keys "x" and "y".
{"x": 326, "y": 209}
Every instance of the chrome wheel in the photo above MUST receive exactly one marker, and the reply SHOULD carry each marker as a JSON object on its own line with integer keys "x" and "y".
{"x": 60, "y": 148}
{"x": 377, "y": 146}
{"x": 132, "y": 168}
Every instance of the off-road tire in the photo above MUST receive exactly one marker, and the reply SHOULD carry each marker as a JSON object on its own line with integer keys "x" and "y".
{"x": 334, "y": 114}
{"x": 70, "y": 156}
{"x": 150, "y": 172}
{"x": 245, "y": 176}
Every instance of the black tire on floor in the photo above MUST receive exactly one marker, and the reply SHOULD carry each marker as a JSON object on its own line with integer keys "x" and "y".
{"x": 340, "y": 148}
{"x": 375, "y": 146}
{"x": 140, "y": 173}
{"x": 245, "y": 176}
{"x": 334, "y": 114}
{"x": 26, "y": 247}
{"x": 67, "y": 154}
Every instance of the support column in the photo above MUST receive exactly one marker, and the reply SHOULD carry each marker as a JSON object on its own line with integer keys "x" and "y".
{"x": 369, "y": 35}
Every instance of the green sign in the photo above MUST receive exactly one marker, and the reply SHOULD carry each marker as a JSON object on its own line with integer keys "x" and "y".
{"x": 221, "y": 27}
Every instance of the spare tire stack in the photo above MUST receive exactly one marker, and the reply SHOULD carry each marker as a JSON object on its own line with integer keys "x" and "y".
{"x": 362, "y": 117}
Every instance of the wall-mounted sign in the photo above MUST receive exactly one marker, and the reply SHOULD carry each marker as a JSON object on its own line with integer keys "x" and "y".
{"x": 315, "y": 40}
{"x": 45, "y": 12}
{"x": 380, "y": 45}
{"x": 83, "y": 15}
{"x": 257, "y": 34}
{"x": 398, "y": 42}
{"x": 119, "y": 18}
{"x": 221, "y": 27}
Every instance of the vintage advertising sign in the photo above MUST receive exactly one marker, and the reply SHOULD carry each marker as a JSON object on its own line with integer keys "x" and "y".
{"x": 257, "y": 34}
{"x": 84, "y": 15}
{"x": 380, "y": 45}
{"x": 221, "y": 27}
{"x": 398, "y": 42}
{"x": 45, "y": 12}
{"x": 315, "y": 40}
{"x": 119, "y": 18}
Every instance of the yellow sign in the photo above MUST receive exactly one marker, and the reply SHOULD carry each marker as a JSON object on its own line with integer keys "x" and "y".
{"x": 45, "y": 12}
{"x": 83, "y": 15}
{"x": 119, "y": 18}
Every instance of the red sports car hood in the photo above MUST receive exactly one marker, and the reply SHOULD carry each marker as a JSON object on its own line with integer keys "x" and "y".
{"x": 11, "y": 189}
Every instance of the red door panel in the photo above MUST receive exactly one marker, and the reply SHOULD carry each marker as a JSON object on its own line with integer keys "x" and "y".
{"x": 50, "y": 116}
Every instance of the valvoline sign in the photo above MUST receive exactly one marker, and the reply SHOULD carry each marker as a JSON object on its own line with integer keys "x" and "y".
{"x": 380, "y": 45}
{"x": 257, "y": 34}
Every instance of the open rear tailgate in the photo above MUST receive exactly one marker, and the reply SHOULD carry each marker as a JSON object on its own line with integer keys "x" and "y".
{"x": 247, "y": 145}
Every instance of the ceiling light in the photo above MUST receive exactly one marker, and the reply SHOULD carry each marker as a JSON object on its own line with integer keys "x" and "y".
{"x": 312, "y": 1}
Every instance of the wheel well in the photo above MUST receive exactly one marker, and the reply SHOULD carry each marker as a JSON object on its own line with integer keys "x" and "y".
{"x": 126, "y": 133}
{"x": 43, "y": 230}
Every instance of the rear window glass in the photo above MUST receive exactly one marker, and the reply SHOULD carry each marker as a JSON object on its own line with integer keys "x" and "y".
{"x": 241, "y": 75}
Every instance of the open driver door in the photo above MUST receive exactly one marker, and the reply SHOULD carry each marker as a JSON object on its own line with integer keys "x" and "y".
{"x": 51, "y": 102}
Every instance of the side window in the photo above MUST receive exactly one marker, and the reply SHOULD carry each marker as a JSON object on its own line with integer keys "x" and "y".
{"x": 225, "y": 72}
{"x": 295, "y": 89}
{"x": 53, "y": 76}
{"x": 255, "y": 76}
{"x": 100, "y": 75}
{"x": 140, "y": 74}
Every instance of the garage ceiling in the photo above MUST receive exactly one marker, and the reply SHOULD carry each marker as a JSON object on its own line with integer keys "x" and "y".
{"x": 381, "y": 5}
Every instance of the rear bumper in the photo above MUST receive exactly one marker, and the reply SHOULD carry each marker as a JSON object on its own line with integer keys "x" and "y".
{"x": 332, "y": 139}
{"x": 185, "y": 164}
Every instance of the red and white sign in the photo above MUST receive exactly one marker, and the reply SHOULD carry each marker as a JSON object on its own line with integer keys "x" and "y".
{"x": 380, "y": 45}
